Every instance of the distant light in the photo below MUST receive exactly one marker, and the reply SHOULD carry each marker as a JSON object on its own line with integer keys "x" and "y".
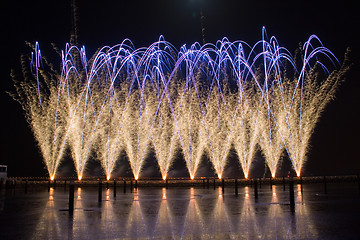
{"x": 108, "y": 177}
{"x": 192, "y": 177}
{"x": 79, "y": 177}
{"x": 219, "y": 175}
{"x": 164, "y": 177}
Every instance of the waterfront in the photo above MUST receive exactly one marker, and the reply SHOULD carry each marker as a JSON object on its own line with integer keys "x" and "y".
{"x": 182, "y": 213}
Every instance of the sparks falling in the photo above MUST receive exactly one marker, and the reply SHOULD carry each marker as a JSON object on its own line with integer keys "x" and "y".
{"x": 202, "y": 100}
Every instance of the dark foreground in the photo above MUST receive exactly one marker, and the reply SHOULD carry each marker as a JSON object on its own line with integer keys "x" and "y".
{"x": 321, "y": 212}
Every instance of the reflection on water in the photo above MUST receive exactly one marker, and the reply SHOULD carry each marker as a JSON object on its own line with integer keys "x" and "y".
{"x": 176, "y": 214}
{"x": 51, "y": 193}
{"x": 79, "y": 192}
{"x": 182, "y": 213}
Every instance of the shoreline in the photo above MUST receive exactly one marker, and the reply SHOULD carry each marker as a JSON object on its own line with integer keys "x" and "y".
{"x": 175, "y": 182}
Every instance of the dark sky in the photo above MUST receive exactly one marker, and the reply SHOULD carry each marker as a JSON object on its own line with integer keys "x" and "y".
{"x": 335, "y": 142}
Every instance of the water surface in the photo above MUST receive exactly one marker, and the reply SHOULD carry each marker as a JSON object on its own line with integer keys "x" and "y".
{"x": 182, "y": 213}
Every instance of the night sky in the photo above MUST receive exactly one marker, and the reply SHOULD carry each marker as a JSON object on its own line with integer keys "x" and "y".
{"x": 335, "y": 143}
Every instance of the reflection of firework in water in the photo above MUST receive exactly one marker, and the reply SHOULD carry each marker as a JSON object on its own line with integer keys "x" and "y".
{"x": 202, "y": 99}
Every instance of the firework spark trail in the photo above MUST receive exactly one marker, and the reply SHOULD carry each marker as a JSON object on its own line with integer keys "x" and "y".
{"x": 40, "y": 102}
{"x": 109, "y": 144}
{"x": 189, "y": 105}
{"x": 115, "y": 99}
{"x": 242, "y": 108}
{"x": 137, "y": 131}
{"x": 192, "y": 132}
{"x": 272, "y": 122}
{"x": 310, "y": 104}
{"x": 247, "y": 127}
{"x": 83, "y": 118}
{"x": 295, "y": 103}
{"x": 164, "y": 135}
{"x": 203, "y": 99}
{"x": 82, "y": 108}
{"x": 307, "y": 97}
{"x": 155, "y": 64}
{"x": 49, "y": 138}
{"x": 82, "y": 139}
{"x": 219, "y": 107}
{"x": 35, "y": 61}
{"x": 219, "y": 119}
